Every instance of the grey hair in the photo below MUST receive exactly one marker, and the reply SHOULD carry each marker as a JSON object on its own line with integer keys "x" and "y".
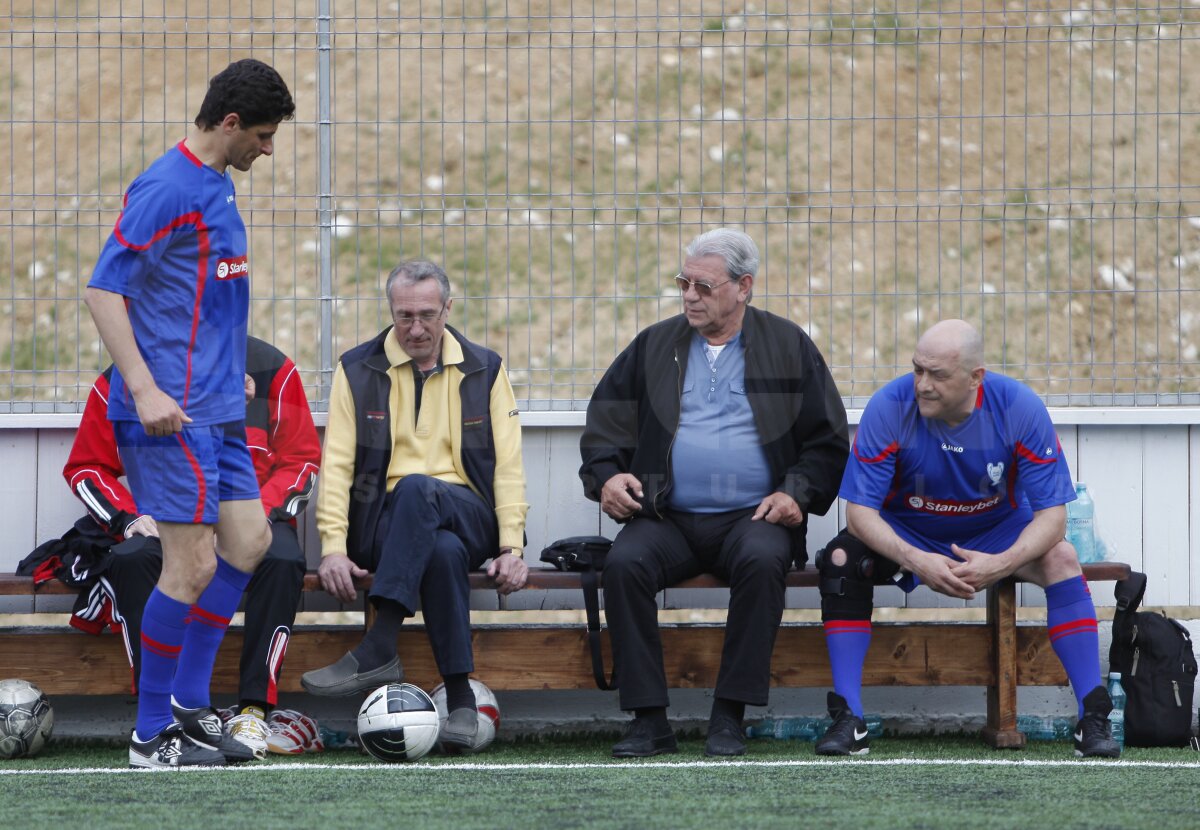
{"x": 734, "y": 246}
{"x": 415, "y": 271}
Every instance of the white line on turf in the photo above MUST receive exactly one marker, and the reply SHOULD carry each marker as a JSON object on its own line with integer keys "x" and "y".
{"x": 638, "y": 765}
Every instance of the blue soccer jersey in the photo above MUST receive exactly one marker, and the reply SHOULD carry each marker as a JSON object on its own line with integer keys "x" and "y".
{"x": 178, "y": 255}
{"x": 975, "y": 484}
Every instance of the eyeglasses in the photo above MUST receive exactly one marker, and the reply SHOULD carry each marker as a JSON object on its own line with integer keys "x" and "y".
{"x": 426, "y": 318}
{"x": 704, "y": 289}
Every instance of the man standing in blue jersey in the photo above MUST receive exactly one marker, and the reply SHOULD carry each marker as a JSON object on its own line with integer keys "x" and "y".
{"x": 170, "y": 295}
{"x": 956, "y": 480}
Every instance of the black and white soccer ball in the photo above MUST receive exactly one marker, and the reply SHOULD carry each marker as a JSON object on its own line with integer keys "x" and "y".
{"x": 26, "y": 719}
{"x": 485, "y": 703}
{"x": 398, "y": 722}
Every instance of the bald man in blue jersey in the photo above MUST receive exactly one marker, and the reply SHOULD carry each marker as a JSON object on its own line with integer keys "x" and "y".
{"x": 170, "y": 296}
{"x": 956, "y": 480}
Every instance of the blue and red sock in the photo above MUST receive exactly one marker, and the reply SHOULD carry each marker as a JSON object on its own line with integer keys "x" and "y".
{"x": 164, "y": 621}
{"x": 208, "y": 620}
{"x": 847, "y": 642}
{"x": 1071, "y": 624}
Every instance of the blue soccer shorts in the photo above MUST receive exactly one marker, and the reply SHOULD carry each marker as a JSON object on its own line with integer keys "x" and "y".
{"x": 995, "y": 539}
{"x": 183, "y": 477}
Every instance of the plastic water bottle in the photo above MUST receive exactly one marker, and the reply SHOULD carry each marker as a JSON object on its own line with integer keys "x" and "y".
{"x": 1081, "y": 524}
{"x": 805, "y": 728}
{"x": 1044, "y": 727}
{"x": 1116, "y": 718}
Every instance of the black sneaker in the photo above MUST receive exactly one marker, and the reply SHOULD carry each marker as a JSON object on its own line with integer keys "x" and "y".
{"x": 1093, "y": 733}
{"x": 205, "y": 728}
{"x": 847, "y": 735}
{"x": 640, "y": 741}
{"x": 171, "y": 749}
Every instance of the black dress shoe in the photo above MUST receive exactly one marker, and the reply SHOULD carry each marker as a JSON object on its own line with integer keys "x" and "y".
{"x": 724, "y": 739}
{"x": 640, "y": 741}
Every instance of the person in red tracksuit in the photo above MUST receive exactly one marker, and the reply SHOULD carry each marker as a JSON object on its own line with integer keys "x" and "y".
{"x": 286, "y": 452}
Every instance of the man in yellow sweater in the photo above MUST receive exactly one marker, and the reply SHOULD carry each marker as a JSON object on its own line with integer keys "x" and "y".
{"x": 422, "y": 482}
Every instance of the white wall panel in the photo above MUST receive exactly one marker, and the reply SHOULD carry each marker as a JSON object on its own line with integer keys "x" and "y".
{"x": 57, "y": 506}
{"x": 1164, "y": 515}
{"x": 1110, "y": 463}
{"x": 18, "y": 494}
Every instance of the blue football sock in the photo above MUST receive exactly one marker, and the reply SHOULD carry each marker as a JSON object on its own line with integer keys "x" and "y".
{"x": 207, "y": 622}
{"x": 847, "y": 642}
{"x": 163, "y": 623}
{"x": 1071, "y": 624}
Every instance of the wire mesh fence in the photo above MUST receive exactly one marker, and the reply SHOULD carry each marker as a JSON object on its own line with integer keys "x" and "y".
{"x": 1031, "y": 167}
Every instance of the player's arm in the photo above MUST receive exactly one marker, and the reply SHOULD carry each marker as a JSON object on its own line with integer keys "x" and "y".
{"x": 508, "y": 486}
{"x": 933, "y": 569}
{"x": 94, "y": 469}
{"x": 158, "y": 412}
{"x": 982, "y": 569}
{"x": 295, "y": 448}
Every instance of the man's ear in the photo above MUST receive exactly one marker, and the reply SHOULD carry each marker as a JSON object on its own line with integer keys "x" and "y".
{"x": 231, "y": 123}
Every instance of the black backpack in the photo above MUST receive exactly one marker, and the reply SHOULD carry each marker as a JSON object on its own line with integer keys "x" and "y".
{"x": 1158, "y": 670}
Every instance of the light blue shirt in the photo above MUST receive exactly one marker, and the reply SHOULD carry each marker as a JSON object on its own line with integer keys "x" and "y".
{"x": 717, "y": 460}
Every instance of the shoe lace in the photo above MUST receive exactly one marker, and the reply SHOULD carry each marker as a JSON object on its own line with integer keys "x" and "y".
{"x": 249, "y": 725}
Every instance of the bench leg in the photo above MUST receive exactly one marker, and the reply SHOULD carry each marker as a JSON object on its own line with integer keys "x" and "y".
{"x": 1001, "y": 730}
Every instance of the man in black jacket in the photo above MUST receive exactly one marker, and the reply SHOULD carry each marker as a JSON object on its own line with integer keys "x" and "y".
{"x": 713, "y": 436}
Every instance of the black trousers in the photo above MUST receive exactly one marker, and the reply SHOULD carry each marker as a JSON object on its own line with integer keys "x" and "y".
{"x": 649, "y": 555}
{"x": 272, "y": 598}
{"x": 430, "y": 537}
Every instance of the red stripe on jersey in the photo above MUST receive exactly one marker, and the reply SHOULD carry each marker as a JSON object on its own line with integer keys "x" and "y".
{"x": 202, "y": 485}
{"x": 979, "y": 397}
{"x": 888, "y": 450}
{"x": 196, "y": 220}
{"x": 188, "y": 154}
{"x": 1033, "y": 457}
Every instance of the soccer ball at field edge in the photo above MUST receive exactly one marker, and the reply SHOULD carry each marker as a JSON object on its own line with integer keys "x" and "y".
{"x": 398, "y": 722}
{"x": 26, "y": 719}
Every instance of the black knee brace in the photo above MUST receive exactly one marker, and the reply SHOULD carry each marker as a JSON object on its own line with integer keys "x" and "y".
{"x": 848, "y": 590}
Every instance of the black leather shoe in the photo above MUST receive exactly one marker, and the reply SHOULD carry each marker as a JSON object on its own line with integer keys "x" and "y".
{"x": 725, "y": 739}
{"x": 640, "y": 741}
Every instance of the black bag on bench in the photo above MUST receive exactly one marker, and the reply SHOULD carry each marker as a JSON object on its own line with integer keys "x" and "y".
{"x": 1158, "y": 670}
{"x": 585, "y": 555}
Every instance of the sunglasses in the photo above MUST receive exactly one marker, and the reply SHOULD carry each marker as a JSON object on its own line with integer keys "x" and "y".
{"x": 704, "y": 289}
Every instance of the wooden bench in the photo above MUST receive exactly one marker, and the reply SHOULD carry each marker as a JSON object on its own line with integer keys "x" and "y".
{"x": 996, "y": 653}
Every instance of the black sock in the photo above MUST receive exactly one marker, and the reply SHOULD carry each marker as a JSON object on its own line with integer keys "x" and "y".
{"x": 724, "y": 707}
{"x": 459, "y": 694}
{"x": 378, "y": 645}
{"x": 656, "y": 715}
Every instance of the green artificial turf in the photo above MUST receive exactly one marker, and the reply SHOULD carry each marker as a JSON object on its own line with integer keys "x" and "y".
{"x": 903, "y": 783}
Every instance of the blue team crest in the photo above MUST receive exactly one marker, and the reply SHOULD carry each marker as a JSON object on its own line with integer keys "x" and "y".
{"x": 995, "y": 472}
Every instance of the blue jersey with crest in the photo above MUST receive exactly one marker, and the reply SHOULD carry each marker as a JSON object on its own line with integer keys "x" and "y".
{"x": 980, "y": 480}
{"x": 178, "y": 256}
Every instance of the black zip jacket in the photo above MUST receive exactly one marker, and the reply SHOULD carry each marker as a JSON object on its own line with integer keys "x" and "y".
{"x": 634, "y": 413}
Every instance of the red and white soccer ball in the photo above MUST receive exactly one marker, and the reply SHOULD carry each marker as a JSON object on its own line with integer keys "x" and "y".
{"x": 485, "y": 702}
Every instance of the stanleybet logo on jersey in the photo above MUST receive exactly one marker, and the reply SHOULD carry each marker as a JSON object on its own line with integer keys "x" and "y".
{"x": 233, "y": 268}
